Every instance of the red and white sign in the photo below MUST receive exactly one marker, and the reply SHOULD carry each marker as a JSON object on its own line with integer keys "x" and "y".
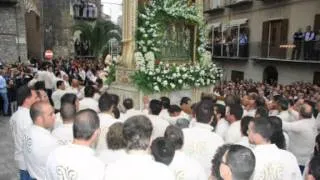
{"x": 48, "y": 54}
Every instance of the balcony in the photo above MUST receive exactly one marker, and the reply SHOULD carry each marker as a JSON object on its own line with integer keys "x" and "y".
{"x": 237, "y": 3}
{"x": 8, "y": 2}
{"x": 215, "y": 6}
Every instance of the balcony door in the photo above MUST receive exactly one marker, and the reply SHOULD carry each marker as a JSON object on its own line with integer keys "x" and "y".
{"x": 275, "y": 33}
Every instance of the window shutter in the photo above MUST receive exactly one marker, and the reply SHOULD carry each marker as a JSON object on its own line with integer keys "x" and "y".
{"x": 265, "y": 39}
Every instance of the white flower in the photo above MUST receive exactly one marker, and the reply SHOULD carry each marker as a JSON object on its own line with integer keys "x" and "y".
{"x": 144, "y": 49}
{"x": 172, "y": 85}
{"x": 145, "y": 35}
{"x": 202, "y": 73}
{"x": 156, "y": 88}
{"x": 174, "y": 75}
{"x": 150, "y": 73}
{"x": 197, "y": 84}
{"x": 165, "y": 83}
{"x": 208, "y": 81}
{"x": 157, "y": 70}
{"x": 180, "y": 81}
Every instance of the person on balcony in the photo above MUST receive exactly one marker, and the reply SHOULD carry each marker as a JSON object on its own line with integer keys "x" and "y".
{"x": 308, "y": 43}
{"x": 297, "y": 41}
{"x": 317, "y": 46}
{"x": 243, "y": 45}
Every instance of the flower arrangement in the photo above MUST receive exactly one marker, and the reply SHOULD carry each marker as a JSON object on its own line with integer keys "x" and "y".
{"x": 170, "y": 77}
{"x": 153, "y": 16}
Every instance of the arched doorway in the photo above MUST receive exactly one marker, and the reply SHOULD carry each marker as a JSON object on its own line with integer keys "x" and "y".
{"x": 270, "y": 74}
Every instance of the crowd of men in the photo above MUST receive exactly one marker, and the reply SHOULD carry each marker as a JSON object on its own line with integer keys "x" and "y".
{"x": 241, "y": 130}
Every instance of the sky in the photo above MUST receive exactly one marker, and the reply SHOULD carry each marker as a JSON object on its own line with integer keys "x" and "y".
{"x": 113, "y": 10}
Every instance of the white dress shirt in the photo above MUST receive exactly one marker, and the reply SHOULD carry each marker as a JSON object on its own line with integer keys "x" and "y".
{"x": 56, "y": 98}
{"x": 318, "y": 122}
{"x": 222, "y": 127}
{"x": 244, "y": 141}
{"x": 64, "y": 134}
{"x": 287, "y": 116}
{"x": 159, "y": 126}
{"x": 233, "y": 134}
{"x": 74, "y": 162}
{"x": 89, "y": 103}
{"x": 164, "y": 114}
{"x": 37, "y": 145}
{"x": 111, "y": 156}
{"x": 302, "y": 134}
{"x": 186, "y": 168}
{"x": 106, "y": 120}
{"x": 129, "y": 113}
{"x": 58, "y": 122}
{"x": 20, "y": 121}
{"x": 138, "y": 166}
{"x": 274, "y": 163}
{"x": 173, "y": 120}
{"x": 201, "y": 143}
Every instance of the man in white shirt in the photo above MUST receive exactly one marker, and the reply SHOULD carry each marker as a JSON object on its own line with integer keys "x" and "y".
{"x": 251, "y": 107}
{"x": 234, "y": 114}
{"x": 88, "y": 102}
{"x": 106, "y": 119}
{"x": 222, "y": 124}
{"x": 244, "y": 141}
{"x": 38, "y": 142}
{"x": 183, "y": 166}
{"x": 237, "y": 163}
{"x": 57, "y": 94}
{"x": 201, "y": 142}
{"x": 130, "y": 111}
{"x": 271, "y": 162}
{"x": 283, "y": 106}
{"x": 138, "y": 164}
{"x": 64, "y": 132}
{"x": 176, "y": 113}
{"x": 77, "y": 160}
{"x": 20, "y": 121}
{"x": 66, "y": 98}
{"x": 42, "y": 95}
{"x": 159, "y": 125}
{"x": 164, "y": 114}
{"x": 302, "y": 134}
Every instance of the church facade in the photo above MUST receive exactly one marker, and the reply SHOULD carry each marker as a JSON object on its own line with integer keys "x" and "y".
{"x": 254, "y": 40}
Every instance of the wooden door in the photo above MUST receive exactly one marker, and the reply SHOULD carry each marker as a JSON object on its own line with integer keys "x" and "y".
{"x": 265, "y": 39}
{"x": 278, "y": 36}
{"x": 237, "y": 76}
{"x": 317, "y": 22}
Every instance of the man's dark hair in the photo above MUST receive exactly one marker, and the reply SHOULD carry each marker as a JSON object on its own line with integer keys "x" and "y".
{"x": 245, "y": 124}
{"x": 316, "y": 151}
{"x": 184, "y": 100}
{"x": 204, "y": 111}
{"x": 236, "y": 110}
{"x": 105, "y": 102}
{"x": 128, "y": 103}
{"x": 305, "y": 112}
{"x": 165, "y": 102}
{"x": 115, "y": 99}
{"x": 115, "y": 139}
{"x": 69, "y": 98}
{"x": 23, "y": 93}
{"x": 314, "y": 167}
{"x": 155, "y": 106}
{"x": 36, "y": 110}
{"x": 174, "y": 108}
{"x": 175, "y": 136}
{"x": 162, "y": 150}
{"x": 262, "y": 112}
{"x": 277, "y": 137}
{"x": 260, "y": 101}
{"x": 68, "y": 111}
{"x": 39, "y": 85}
{"x": 137, "y": 132}
{"x": 89, "y": 91}
{"x": 221, "y": 109}
{"x": 116, "y": 112}
{"x": 263, "y": 127}
{"x": 59, "y": 83}
{"x": 86, "y": 122}
{"x": 99, "y": 81}
{"x": 241, "y": 162}
{"x": 217, "y": 160}
{"x": 232, "y": 99}
{"x": 182, "y": 123}
{"x": 283, "y": 103}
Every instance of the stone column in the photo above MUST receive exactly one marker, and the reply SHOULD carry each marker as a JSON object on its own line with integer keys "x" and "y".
{"x": 129, "y": 24}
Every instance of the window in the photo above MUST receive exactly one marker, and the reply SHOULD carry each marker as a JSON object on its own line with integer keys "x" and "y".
{"x": 274, "y": 34}
{"x": 316, "y": 78}
{"x": 84, "y": 10}
{"x": 237, "y": 76}
{"x": 231, "y": 39}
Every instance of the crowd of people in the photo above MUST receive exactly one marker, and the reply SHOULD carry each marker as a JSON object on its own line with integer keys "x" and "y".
{"x": 67, "y": 126}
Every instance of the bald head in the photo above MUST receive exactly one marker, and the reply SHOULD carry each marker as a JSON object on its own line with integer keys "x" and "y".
{"x": 37, "y": 109}
{"x": 86, "y": 122}
{"x": 306, "y": 111}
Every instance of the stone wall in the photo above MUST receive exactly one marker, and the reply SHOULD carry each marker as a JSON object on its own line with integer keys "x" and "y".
{"x": 58, "y": 23}
{"x": 12, "y": 33}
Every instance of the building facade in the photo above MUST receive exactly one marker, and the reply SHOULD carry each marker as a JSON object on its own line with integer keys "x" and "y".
{"x": 253, "y": 39}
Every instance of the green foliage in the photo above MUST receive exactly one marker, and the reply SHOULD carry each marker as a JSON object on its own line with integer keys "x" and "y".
{"x": 111, "y": 75}
{"x": 98, "y": 34}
